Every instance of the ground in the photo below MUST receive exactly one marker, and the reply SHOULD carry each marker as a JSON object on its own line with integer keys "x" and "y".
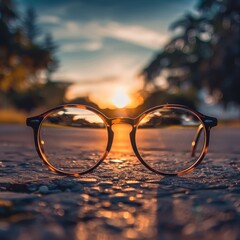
{"x": 121, "y": 199}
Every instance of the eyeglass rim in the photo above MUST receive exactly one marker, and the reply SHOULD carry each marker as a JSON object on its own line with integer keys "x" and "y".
{"x": 36, "y": 122}
{"x": 206, "y": 126}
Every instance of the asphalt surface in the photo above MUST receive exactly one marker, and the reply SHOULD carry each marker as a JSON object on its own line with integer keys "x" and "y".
{"x": 121, "y": 199}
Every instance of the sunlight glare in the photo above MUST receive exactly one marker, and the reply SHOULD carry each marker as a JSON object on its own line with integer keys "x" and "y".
{"x": 120, "y": 98}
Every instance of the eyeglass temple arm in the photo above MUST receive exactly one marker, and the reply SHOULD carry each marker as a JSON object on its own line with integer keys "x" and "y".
{"x": 196, "y": 139}
{"x": 210, "y": 122}
{"x": 34, "y": 122}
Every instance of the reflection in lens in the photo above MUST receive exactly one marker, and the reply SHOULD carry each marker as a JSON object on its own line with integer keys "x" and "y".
{"x": 73, "y": 139}
{"x": 165, "y": 139}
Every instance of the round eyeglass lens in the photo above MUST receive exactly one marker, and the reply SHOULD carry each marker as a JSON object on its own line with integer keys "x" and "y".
{"x": 72, "y": 139}
{"x": 170, "y": 140}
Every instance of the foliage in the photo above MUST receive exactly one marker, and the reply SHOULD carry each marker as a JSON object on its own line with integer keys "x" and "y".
{"x": 52, "y": 60}
{"x": 39, "y": 95}
{"x": 27, "y": 59}
{"x": 204, "y": 54}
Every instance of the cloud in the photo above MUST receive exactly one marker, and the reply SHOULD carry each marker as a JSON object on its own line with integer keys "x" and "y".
{"x": 98, "y": 67}
{"x": 90, "y": 46}
{"x": 96, "y": 32}
{"x": 135, "y": 34}
{"x": 45, "y": 19}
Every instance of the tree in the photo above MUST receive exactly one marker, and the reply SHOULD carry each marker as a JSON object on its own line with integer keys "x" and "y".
{"x": 24, "y": 56}
{"x": 9, "y": 45}
{"x": 8, "y": 11}
{"x": 206, "y": 52}
{"x": 52, "y": 61}
{"x": 30, "y": 27}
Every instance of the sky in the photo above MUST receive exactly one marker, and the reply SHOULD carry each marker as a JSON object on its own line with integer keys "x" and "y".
{"x": 104, "y": 44}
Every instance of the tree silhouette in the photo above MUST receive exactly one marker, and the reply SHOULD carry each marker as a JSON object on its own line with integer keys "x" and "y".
{"x": 30, "y": 27}
{"x": 25, "y": 55}
{"x": 205, "y": 54}
{"x": 52, "y": 61}
{"x": 9, "y": 45}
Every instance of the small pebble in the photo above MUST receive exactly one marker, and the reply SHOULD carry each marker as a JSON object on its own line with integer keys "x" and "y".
{"x": 43, "y": 189}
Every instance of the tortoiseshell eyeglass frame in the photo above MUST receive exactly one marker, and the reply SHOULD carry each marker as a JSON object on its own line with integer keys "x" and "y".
{"x": 206, "y": 123}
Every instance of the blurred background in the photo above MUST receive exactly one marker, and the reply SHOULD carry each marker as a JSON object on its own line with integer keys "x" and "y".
{"x": 119, "y": 56}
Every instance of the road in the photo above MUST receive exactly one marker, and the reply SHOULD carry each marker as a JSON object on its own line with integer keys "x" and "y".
{"x": 121, "y": 199}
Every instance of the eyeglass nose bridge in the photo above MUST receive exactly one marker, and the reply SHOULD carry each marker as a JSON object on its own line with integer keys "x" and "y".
{"x": 122, "y": 120}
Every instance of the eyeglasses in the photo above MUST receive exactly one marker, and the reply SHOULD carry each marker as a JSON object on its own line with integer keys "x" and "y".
{"x": 167, "y": 139}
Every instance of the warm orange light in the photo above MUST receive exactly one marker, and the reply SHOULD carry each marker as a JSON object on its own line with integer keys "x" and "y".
{"x": 120, "y": 98}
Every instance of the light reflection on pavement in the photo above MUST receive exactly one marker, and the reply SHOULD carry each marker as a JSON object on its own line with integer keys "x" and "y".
{"x": 121, "y": 199}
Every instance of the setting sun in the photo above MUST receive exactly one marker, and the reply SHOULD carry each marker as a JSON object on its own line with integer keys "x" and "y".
{"x": 120, "y": 98}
